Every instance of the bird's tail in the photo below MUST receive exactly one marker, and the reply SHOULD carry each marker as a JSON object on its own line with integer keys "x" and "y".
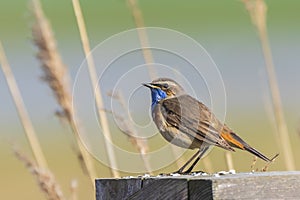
{"x": 235, "y": 141}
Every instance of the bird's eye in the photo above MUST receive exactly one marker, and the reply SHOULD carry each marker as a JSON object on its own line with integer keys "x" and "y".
{"x": 165, "y": 86}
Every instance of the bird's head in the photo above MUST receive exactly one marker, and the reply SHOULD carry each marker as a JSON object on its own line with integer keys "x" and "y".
{"x": 164, "y": 88}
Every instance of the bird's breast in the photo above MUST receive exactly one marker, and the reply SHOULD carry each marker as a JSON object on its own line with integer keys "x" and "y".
{"x": 171, "y": 133}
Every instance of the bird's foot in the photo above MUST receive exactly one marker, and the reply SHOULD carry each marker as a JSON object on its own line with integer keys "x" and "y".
{"x": 197, "y": 173}
{"x": 187, "y": 172}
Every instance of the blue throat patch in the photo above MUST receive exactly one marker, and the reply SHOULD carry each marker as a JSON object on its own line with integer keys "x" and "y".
{"x": 157, "y": 95}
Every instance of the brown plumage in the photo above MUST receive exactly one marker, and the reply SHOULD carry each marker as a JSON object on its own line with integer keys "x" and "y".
{"x": 184, "y": 121}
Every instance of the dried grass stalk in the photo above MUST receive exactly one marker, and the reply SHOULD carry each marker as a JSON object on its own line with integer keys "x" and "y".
{"x": 265, "y": 168}
{"x": 55, "y": 72}
{"x": 56, "y": 76}
{"x": 98, "y": 95}
{"x": 257, "y": 10}
{"x": 139, "y": 22}
{"x": 128, "y": 129}
{"x": 229, "y": 160}
{"x": 23, "y": 114}
{"x": 253, "y": 163}
{"x": 148, "y": 57}
{"x": 44, "y": 178}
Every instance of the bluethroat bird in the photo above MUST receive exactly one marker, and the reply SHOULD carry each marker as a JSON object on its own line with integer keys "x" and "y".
{"x": 184, "y": 121}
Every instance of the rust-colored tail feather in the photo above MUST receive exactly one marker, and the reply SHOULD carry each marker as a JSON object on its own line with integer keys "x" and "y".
{"x": 257, "y": 153}
{"x": 235, "y": 141}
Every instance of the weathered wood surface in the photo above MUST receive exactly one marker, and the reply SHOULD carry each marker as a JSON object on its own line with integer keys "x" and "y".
{"x": 260, "y": 185}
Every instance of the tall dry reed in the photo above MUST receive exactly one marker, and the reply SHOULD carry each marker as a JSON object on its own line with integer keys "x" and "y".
{"x": 229, "y": 160}
{"x": 147, "y": 53}
{"x": 258, "y": 11}
{"x": 139, "y": 23}
{"x": 56, "y": 76}
{"x": 22, "y": 111}
{"x": 128, "y": 129}
{"x": 98, "y": 96}
{"x": 39, "y": 169}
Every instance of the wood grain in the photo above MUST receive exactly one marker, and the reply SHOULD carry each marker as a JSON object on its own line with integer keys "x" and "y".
{"x": 261, "y": 185}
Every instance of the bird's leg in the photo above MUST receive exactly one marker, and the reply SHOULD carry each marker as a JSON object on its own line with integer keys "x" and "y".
{"x": 201, "y": 153}
{"x": 180, "y": 171}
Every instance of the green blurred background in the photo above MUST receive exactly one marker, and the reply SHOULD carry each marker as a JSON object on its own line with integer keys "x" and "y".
{"x": 222, "y": 27}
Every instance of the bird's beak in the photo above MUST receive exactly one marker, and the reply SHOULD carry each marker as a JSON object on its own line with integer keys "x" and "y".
{"x": 149, "y": 85}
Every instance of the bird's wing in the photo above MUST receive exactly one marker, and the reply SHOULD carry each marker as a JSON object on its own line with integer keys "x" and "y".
{"x": 194, "y": 118}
